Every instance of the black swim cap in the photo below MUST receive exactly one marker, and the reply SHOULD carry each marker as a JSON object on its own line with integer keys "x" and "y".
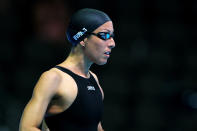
{"x": 83, "y": 22}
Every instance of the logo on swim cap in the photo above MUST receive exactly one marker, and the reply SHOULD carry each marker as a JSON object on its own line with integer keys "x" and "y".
{"x": 80, "y": 33}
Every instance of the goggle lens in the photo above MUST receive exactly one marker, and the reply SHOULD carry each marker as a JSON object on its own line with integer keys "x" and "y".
{"x": 104, "y": 35}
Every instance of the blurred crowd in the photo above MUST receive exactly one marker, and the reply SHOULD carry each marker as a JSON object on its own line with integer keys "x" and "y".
{"x": 150, "y": 80}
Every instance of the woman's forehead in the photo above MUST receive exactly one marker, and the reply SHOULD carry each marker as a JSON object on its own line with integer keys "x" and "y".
{"x": 108, "y": 26}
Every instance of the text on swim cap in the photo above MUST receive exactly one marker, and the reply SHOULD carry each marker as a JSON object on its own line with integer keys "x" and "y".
{"x": 79, "y": 34}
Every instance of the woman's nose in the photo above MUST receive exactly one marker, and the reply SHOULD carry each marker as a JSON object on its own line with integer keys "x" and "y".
{"x": 112, "y": 43}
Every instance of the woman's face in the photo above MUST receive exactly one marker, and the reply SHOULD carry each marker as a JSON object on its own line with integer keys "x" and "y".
{"x": 98, "y": 50}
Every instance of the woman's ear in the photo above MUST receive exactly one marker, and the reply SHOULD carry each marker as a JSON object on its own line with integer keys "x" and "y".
{"x": 83, "y": 42}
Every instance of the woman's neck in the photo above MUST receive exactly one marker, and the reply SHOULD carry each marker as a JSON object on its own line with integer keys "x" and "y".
{"x": 78, "y": 63}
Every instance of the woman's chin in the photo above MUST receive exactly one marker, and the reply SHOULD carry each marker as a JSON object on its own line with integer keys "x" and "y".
{"x": 101, "y": 62}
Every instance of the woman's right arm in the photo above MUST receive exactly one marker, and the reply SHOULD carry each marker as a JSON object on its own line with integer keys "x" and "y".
{"x": 43, "y": 92}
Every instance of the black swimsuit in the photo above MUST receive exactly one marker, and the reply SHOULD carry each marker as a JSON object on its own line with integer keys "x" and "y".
{"x": 86, "y": 111}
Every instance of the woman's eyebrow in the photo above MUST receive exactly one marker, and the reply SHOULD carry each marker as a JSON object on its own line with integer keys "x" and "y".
{"x": 108, "y": 30}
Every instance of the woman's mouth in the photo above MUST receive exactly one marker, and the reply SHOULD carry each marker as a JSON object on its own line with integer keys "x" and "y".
{"x": 107, "y": 53}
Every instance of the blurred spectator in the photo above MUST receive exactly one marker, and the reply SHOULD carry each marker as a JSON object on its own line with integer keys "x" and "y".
{"x": 46, "y": 47}
{"x": 50, "y": 20}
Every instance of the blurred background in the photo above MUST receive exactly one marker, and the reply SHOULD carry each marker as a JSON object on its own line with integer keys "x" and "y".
{"x": 150, "y": 81}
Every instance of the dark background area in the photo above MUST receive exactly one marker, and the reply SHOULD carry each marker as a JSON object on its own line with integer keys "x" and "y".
{"x": 150, "y": 81}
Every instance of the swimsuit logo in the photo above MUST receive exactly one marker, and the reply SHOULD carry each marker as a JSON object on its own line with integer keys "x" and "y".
{"x": 91, "y": 88}
{"x": 79, "y": 34}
